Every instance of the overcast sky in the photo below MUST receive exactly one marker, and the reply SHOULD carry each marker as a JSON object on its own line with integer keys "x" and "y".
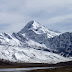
{"x": 54, "y": 14}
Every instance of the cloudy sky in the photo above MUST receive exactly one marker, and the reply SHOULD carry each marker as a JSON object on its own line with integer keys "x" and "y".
{"x": 54, "y": 14}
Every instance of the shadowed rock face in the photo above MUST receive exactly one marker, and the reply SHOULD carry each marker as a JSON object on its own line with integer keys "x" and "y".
{"x": 62, "y": 44}
{"x": 25, "y": 29}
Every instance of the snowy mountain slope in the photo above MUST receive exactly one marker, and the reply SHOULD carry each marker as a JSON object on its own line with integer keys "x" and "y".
{"x": 16, "y": 54}
{"x": 7, "y": 40}
{"x": 34, "y": 44}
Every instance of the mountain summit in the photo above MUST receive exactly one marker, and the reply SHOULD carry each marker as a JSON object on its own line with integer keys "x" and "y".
{"x": 37, "y": 32}
{"x": 37, "y": 28}
{"x": 30, "y": 25}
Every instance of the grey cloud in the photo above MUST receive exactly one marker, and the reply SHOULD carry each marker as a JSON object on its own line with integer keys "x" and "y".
{"x": 18, "y": 12}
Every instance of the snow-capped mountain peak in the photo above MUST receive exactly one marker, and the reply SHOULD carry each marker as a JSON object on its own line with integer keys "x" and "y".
{"x": 30, "y": 25}
{"x": 34, "y": 43}
{"x": 34, "y": 27}
{"x": 37, "y": 32}
{"x": 34, "y": 24}
{"x": 37, "y": 28}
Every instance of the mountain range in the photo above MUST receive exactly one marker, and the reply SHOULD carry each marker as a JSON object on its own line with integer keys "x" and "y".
{"x": 36, "y": 44}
